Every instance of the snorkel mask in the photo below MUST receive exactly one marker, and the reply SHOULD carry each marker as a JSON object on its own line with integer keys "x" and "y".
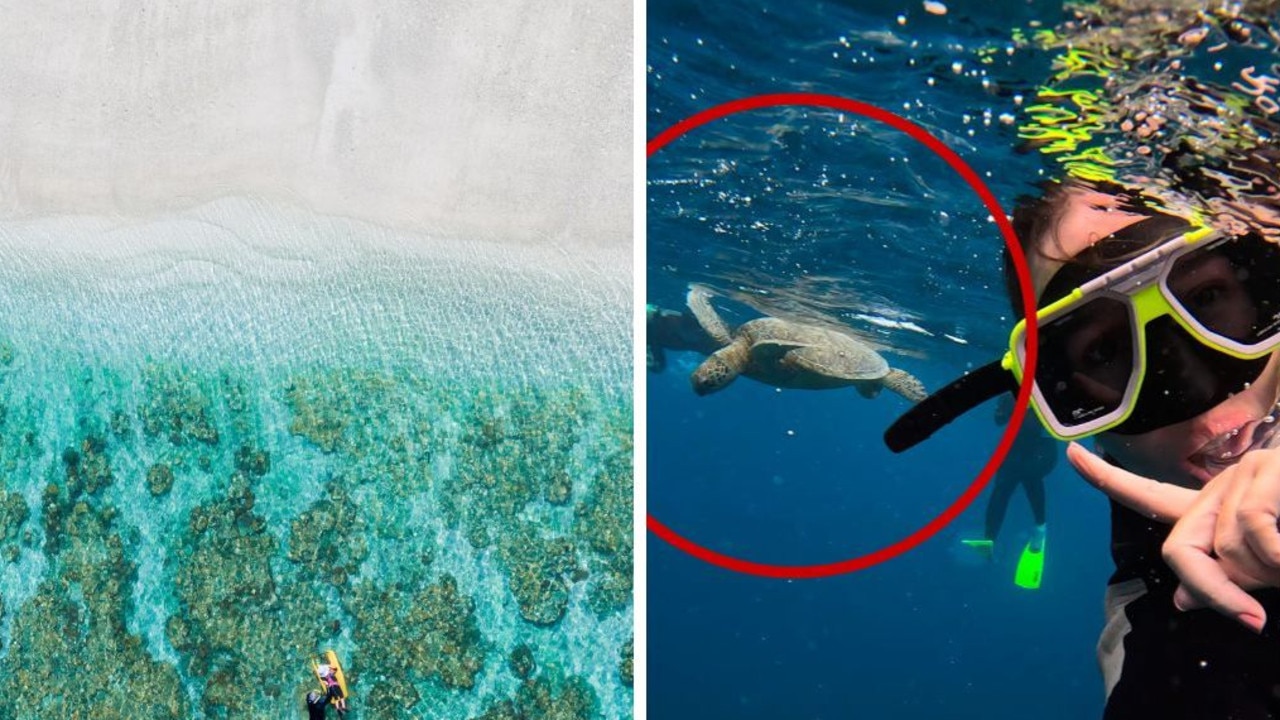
{"x": 1153, "y": 325}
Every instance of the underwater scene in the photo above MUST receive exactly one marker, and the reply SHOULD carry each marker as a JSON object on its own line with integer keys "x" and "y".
{"x": 800, "y": 227}
{"x": 247, "y": 434}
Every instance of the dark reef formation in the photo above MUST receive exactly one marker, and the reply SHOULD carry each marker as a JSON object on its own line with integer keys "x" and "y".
{"x": 198, "y": 541}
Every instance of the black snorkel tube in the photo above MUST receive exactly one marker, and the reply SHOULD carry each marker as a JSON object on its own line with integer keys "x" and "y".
{"x": 941, "y": 408}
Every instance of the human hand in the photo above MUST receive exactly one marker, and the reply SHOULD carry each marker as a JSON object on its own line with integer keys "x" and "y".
{"x": 1224, "y": 539}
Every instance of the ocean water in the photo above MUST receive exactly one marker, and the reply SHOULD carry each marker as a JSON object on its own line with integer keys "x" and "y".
{"x": 234, "y": 436}
{"x": 821, "y": 215}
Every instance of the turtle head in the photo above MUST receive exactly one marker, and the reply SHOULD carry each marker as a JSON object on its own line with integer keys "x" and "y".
{"x": 713, "y": 374}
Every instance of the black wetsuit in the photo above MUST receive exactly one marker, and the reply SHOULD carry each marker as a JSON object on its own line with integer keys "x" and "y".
{"x": 1195, "y": 665}
{"x": 671, "y": 330}
{"x": 316, "y": 707}
{"x": 1033, "y": 456}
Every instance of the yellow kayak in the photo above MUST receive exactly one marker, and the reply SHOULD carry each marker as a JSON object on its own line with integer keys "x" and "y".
{"x": 331, "y": 659}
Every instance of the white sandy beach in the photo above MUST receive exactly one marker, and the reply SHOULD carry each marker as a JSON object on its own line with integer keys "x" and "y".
{"x": 505, "y": 121}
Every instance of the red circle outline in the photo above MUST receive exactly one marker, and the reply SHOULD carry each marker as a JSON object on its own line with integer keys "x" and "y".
{"x": 1028, "y": 302}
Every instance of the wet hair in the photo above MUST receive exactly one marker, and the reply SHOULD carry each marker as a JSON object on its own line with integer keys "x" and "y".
{"x": 1036, "y": 217}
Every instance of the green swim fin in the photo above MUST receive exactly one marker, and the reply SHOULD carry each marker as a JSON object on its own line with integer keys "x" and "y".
{"x": 986, "y": 548}
{"x": 1030, "y": 566}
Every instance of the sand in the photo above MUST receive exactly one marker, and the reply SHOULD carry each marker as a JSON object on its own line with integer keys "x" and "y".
{"x": 504, "y": 121}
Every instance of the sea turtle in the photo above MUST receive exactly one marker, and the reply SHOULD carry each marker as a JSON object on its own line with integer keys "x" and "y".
{"x": 785, "y": 353}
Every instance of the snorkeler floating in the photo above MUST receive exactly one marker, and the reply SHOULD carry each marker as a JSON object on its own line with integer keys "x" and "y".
{"x": 1157, "y": 334}
{"x": 333, "y": 682}
{"x": 1032, "y": 457}
{"x": 790, "y": 354}
{"x": 673, "y": 330}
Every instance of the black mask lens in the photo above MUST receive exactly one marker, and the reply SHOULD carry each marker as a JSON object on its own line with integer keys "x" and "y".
{"x": 1231, "y": 288}
{"x": 1184, "y": 378}
{"x": 1086, "y": 360}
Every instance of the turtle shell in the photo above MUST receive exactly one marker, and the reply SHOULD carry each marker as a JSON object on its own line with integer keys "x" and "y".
{"x": 818, "y": 350}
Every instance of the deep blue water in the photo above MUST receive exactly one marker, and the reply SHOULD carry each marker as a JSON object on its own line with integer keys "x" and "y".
{"x": 807, "y": 212}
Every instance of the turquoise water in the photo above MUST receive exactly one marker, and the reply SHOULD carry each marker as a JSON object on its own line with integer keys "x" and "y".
{"x": 237, "y": 436}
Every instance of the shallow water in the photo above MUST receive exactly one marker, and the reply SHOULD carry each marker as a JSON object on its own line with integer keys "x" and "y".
{"x": 233, "y": 437}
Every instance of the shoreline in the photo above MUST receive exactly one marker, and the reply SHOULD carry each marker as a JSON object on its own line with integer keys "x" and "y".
{"x": 247, "y": 278}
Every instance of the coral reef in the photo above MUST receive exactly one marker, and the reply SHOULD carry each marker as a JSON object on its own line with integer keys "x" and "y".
{"x": 515, "y": 445}
{"x": 121, "y": 426}
{"x": 559, "y": 486}
{"x": 252, "y": 461}
{"x": 13, "y": 513}
{"x": 327, "y": 539}
{"x": 75, "y": 626}
{"x": 89, "y": 468}
{"x": 413, "y": 635}
{"x": 340, "y": 410}
{"x": 626, "y": 664}
{"x": 521, "y": 662}
{"x": 539, "y": 699}
{"x": 176, "y": 407}
{"x": 237, "y": 624}
{"x": 521, "y": 448}
{"x": 159, "y": 479}
{"x": 211, "y": 599}
{"x": 603, "y": 522}
{"x": 230, "y": 605}
{"x": 542, "y": 569}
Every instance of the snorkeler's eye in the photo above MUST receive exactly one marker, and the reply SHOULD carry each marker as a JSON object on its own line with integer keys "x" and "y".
{"x": 1102, "y": 351}
{"x": 1206, "y": 296}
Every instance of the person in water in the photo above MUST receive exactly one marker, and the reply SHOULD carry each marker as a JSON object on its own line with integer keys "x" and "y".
{"x": 1158, "y": 339}
{"x": 1156, "y": 276}
{"x": 1180, "y": 407}
{"x": 317, "y": 704}
{"x": 1210, "y": 370}
{"x": 1032, "y": 457}
{"x": 333, "y": 690}
{"x": 672, "y": 330}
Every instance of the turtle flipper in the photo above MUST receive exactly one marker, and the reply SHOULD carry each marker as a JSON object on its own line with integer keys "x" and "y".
{"x": 868, "y": 390}
{"x": 905, "y": 384}
{"x": 699, "y": 301}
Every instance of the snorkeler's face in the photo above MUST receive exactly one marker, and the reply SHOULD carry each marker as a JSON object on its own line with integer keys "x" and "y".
{"x": 1213, "y": 291}
{"x": 1178, "y": 453}
{"x": 1089, "y": 216}
{"x": 1174, "y": 452}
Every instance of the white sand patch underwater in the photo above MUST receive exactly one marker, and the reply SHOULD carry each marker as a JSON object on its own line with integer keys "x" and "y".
{"x": 315, "y": 333}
